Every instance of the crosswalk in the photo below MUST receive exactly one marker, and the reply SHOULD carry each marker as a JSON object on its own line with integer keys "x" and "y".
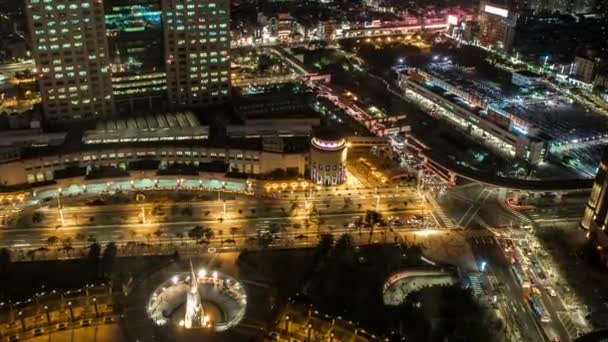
{"x": 570, "y": 326}
{"x": 520, "y": 216}
{"x": 474, "y": 283}
{"x": 440, "y": 215}
{"x": 479, "y": 236}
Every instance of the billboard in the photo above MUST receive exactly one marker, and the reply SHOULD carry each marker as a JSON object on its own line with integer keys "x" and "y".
{"x": 496, "y": 10}
{"x": 452, "y": 20}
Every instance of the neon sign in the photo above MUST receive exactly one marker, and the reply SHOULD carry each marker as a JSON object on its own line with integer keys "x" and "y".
{"x": 497, "y": 11}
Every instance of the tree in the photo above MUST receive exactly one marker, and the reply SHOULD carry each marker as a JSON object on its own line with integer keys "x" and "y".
{"x": 344, "y": 244}
{"x": 158, "y": 233}
{"x": 199, "y": 232}
{"x": 196, "y": 233}
{"x": 208, "y": 233}
{"x": 37, "y": 217}
{"x": 94, "y": 253}
{"x": 80, "y": 237}
{"x": 5, "y": 259}
{"x": 52, "y": 240}
{"x": 109, "y": 255}
{"x": 5, "y": 266}
{"x": 372, "y": 217}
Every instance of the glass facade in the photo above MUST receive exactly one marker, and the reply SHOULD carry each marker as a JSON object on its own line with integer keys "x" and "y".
{"x": 135, "y": 37}
{"x": 99, "y": 58}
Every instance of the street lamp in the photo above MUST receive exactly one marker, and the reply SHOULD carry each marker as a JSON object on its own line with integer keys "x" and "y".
{"x": 143, "y": 215}
{"x": 22, "y": 320}
{"x": 71, "y": 310}
{"x": 48, "y": 316}
{"x": 95, "y": 305}
{"x": 59, "y": 207}
{"x": 309, "y": 332}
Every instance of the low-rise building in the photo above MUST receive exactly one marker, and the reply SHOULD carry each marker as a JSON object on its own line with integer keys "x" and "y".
{"x": 525, "y": 78}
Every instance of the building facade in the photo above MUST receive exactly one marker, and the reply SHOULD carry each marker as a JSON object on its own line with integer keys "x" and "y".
{"x": 328, "y": 159}
{"x": 70, "y": 48}
{"x": 496, "y": 26}
{"x": 134, "y": 30}
{"x": 197, "y": 48}
{"x": 595, "y": 217}
{"x": 101, "y": 58}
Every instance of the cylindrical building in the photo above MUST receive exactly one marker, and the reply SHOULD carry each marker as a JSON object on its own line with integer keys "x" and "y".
{"x": 328, "y": 158}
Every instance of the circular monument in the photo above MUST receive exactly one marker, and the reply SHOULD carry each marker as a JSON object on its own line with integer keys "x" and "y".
{"x": 206, "y": 300}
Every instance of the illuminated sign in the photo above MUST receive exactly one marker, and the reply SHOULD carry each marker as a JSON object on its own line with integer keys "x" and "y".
{"x": 452, "y": 20}
{"x": 496, "y": 10}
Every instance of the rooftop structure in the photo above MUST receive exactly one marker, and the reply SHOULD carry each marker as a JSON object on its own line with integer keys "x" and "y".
{"x": 158, "y": 127}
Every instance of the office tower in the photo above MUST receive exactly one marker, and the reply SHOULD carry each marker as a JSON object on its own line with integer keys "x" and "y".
{"x": 135, "y": 39}
{"x": 197, "y": 46}
{"x": 597, "y": 205}
{"x": 71, "y": 53}
{"x": 112, "y": 57}
{"x": 586, "y": 68}
{"x": 595, "y": 217}
{"x": 496, "y": 26}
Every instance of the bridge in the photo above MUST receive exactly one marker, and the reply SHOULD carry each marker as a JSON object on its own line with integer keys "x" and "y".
{"x": 449, "y": 171}
{"x": 370, "y": 32}
{"x": 562, "y": 146}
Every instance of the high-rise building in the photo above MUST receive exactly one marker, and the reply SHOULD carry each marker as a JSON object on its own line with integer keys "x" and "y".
{"x": 197, "y": 47}
{"x": 135, "y": 37}
{"x": 101, "y": 58}
{"x": 595, "y": 217}
{"x": 70, "y": 48}
{"x": 496, "y": 26}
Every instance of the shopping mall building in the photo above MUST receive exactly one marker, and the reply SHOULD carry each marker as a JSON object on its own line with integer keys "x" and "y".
{"x": 173, "y": 143}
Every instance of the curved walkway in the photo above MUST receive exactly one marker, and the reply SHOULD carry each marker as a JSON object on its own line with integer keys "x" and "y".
{"x": 398, "y": 286}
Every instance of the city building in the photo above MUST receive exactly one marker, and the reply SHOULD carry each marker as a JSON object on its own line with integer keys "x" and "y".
{"x": 328, "y": 158}
{"x": 496, "y": 26}
{"x": 475, "y": 108}
{"x": 135, "y": 39}
{"x": 102, "y": 58}
{"x": 70, "y": 48}
{"x": 596, "y": 211}
{"x": 155, "y": 143}
{"x": 595, "y": 217}
{"x": 197, "y": 51}
{"x": 584, "y": 68}
{"x": 525, "y": 78}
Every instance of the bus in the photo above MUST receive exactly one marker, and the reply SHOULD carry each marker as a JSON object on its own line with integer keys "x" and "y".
{"x": 521, "y": 277}
{"x": 539, "y": 308}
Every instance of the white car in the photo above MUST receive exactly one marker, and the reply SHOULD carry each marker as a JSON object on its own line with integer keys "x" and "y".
{"x": 551, "y": 291}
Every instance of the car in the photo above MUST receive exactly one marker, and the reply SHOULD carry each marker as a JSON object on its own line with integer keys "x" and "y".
{"x": 551, "y": 291}
{"x": 301, "y": 236}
